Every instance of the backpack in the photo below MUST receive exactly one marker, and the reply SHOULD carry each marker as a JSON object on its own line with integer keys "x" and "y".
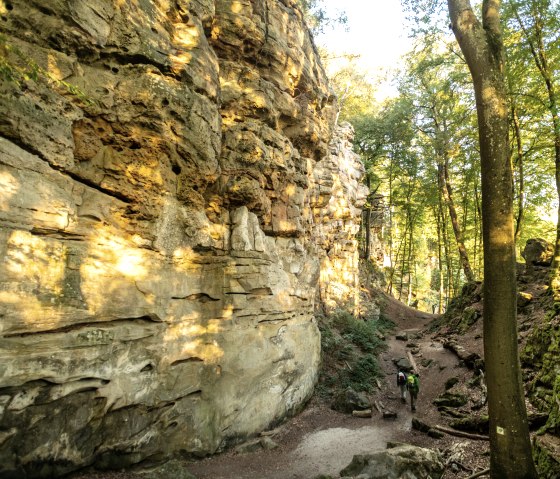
{"x": 412, "y": 383}
{"x": 401, "y": 378}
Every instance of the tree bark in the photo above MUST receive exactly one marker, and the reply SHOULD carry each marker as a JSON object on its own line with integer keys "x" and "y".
{"x": 521, "y": 183}
{"x": 446, "y": 192}
{"x": 481, "y": 43}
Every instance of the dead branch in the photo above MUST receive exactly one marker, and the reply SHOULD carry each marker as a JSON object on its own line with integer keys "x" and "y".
{"x": 481, "y": 473}
{"x": 467, "y": 435}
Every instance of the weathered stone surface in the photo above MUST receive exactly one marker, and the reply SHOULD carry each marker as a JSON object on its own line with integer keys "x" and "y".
{"x": 163, "y": 232}
{"x": 538, "y": 252}
{"x": 340, "y": 198}
{"x": 349, "y": 400}
{"x": 401, "y": 461}
{"x": 449, "y": 399}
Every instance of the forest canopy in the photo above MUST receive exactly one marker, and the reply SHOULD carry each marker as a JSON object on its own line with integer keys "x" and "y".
{"x": 421, "y": 151}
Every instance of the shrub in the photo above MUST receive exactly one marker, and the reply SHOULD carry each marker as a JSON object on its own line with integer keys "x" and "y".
{"x": 349, "y": 349}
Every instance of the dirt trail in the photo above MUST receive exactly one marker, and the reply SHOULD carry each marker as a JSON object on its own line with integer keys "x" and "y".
{"x": 322, "y": 441}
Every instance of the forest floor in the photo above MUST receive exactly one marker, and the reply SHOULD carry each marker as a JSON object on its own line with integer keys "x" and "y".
{"x": 320, "y": 440}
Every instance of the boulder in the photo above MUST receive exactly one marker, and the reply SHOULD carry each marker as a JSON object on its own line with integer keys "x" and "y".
{"x": 362, "y": 413}
{"x": 448, "y": 399}
{"x": 538, "y": 252}
{"x": 389, "y": 415}
{"x": 523, "y": 299}
{"x": 451, "y": 382}
{"x": 403, "y": 364}
{"x": 404, "y": 461}
{"x": 349, "y": 400}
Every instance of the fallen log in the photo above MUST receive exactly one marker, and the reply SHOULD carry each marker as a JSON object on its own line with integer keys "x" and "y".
{"x": 364, "y": 413}
{"x": 481, "y": 473}
{"x": 389, "y": 415}
{"x": 467, "y": 435}
{"x": 412, "y": 362}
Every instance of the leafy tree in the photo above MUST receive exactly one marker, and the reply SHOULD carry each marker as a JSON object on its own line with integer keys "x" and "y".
{"x": 537, "y": 22}
{"x": 434, "y": 81}
{"x": 317, "y": 17}
{"x": 481, "y": 43}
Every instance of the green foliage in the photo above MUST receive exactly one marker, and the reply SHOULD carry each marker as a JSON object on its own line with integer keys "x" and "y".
{"x": 360, "y": 377}
{"x": 18, "y": 68}
{"x": 317, "y": 17}
{"x": 404, "y": 142}
{"x": 351, "y": 84}
{"x": 349, "y": 349}
{"x": 362, "y": 334}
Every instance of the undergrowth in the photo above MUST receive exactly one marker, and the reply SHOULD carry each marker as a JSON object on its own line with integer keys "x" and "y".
{"x": 349, "y": 348}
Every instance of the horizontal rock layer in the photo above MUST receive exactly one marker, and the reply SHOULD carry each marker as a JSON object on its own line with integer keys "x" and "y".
{"x": 167, "y": 192}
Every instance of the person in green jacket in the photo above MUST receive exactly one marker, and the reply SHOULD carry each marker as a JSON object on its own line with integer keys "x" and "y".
{"x": 413, "y": 386}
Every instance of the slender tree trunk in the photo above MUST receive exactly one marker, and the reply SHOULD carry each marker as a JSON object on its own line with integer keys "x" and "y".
{"x": 478, "y": 229}
{"x": 510, "y": 446}
{"x": 410, "y": 260}
{"x": 521, "y": 182}
{"x": 440, "y": 264}
{"x": 367, "y": 220}
{"x": 553, "y": 105}
{"x": 391, "y": 265}
{"x": 442, "y": 150}
{"x": 367, "y": 231}
{"x": 446, "y": 191}
{"x": 448, "y": 263}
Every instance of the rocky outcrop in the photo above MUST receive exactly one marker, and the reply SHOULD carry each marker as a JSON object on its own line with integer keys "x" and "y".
{"x": 164, "y": 167}
{"x": 397, "y": 461}
{"x": 538, "y": 252}
{"x": 340, "y": 196}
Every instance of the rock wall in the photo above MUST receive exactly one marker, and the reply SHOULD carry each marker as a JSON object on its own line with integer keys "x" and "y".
{"x": 157, "y": 223}
{"x": 340, "y": 196}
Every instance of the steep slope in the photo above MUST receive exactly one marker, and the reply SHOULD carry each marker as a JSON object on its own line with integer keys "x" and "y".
{"x": 539, "y": 338}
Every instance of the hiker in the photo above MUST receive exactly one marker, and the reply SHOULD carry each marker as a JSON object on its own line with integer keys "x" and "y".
{"x": 401, "y": 383}
{"x": 413, "y": 386}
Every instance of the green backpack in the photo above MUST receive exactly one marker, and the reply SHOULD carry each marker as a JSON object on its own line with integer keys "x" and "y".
{"x": 412, "y": 383}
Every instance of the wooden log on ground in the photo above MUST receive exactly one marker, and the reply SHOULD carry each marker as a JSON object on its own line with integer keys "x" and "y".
{"x": 389, "y": 415}
{"x": 364, "y": 413}
{"x": 412, "y": 362}
{"x": 467, "y": 435}
{"x": 481, "y": 473}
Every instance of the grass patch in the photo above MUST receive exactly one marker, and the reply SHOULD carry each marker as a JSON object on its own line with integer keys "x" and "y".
{"x": 350, "y": 347}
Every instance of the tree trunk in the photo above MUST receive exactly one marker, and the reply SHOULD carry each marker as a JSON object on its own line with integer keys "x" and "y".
{"x": 521, "y": 182}
{"x": 410, "y": 261}
{"x": 441, "y": 282}
{"x": 391, "y": 265}
{"x": 367, "y": 228}
{"x": 510, "y": 446}
{"x": 446, "y": 192}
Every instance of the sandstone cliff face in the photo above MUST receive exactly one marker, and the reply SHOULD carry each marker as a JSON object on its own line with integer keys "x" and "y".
{"x": 159, "y": 232}
{"x": 338, "y": 201}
